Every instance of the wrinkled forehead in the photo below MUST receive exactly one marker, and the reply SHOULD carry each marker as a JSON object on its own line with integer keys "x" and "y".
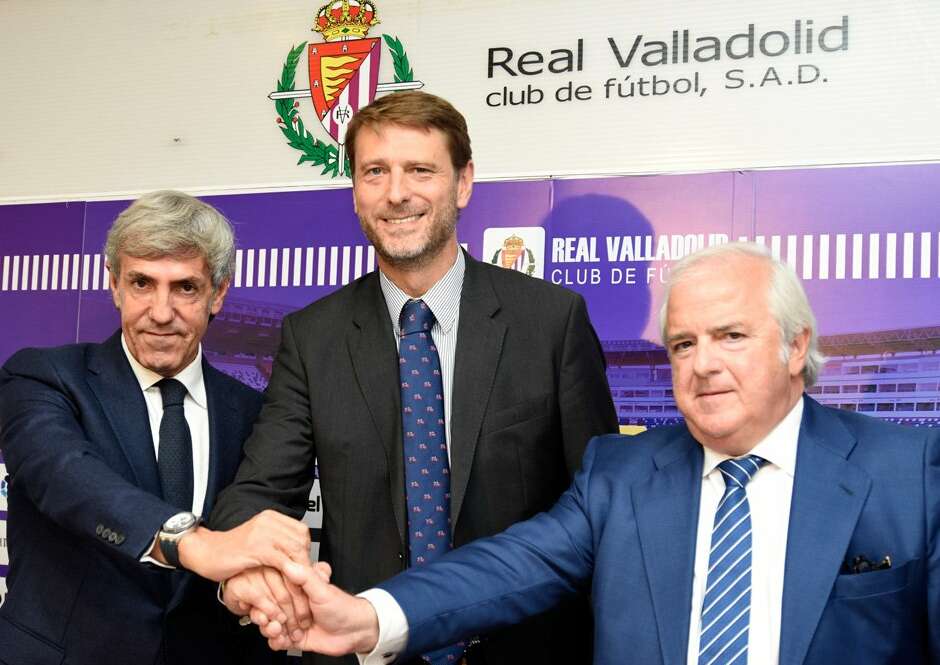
{"x": 173, "y": 267}
{"x": 718, "y": 290}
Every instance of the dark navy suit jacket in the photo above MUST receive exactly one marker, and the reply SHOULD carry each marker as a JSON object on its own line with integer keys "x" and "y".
{"x": 626, "y": 528}
{"x": 84, "y": 505}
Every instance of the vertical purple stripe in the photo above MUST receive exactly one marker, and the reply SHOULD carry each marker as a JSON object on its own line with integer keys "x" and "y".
{"x": 353, "y": 90}
{"x": 4, "y": 570}
{"x": 376, "y": 55}
{"x": 3, "y": 514}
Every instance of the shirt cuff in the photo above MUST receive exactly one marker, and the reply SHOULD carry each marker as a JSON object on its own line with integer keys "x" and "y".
{"x": 146, "y": 558}
{"x": 393, "y": 628}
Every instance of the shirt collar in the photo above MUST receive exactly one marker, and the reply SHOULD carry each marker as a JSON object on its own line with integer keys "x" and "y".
{"x": 443, "y": 299}
{"x": 190, "y": 376}
{"x": 778, "y": 447}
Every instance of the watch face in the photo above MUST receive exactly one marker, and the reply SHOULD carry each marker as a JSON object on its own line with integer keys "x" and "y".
{"x": 179, "y": 522}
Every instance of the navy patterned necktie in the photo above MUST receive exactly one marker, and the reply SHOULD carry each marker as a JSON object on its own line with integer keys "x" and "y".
{"x": 726, "y": 607}
{"x": 175, "y": 456}
{"x": 427, "y": 474}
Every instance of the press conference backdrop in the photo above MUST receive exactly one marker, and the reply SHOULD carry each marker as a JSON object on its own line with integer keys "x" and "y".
{"x": 723, "y": 109}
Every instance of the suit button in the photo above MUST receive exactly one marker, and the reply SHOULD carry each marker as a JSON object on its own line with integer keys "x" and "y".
{"x": 112, "y": 537}
{"x": 106, "y": 533}
{"x": 119, "y": 540}
{"x": 99, "y": 529}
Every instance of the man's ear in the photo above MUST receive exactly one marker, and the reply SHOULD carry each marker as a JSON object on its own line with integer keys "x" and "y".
{"x": 218, "y": 298}
{"x": 464, "y": 185}
{"x": 113, "y": 282}
{"x": 798, "y": 347}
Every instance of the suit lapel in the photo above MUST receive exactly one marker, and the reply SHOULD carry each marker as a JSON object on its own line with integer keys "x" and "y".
{"x": 224, "y": 451}
{"x": 223, "y": 417}
{"x": 666, "y": 508}
{"x": 112, "y": 380}
{"x": 479, "y": 345}
{"x": 374, "y": 359}
{"x": 828, "y": 495}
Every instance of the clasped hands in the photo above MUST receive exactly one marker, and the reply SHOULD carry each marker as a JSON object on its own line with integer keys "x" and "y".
{"x": 296, "y": 607}
{"x": 269, "y": 578}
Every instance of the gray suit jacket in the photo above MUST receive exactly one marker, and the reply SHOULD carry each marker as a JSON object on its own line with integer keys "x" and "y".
{"x": 529, "y": 391}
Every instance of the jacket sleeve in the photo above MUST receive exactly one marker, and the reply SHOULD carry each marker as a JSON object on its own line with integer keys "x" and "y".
{"x": 584, "y": 399}
{"x": 62, "y": 473}
{"x": 499, "y": 581}
{"x": 277, "y": 470}
{"x": 932, "y": 500}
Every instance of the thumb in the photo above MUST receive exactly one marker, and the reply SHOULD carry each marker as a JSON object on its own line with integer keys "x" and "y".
{"x": 296, "y": 573}
{"x": 322, "y": 568}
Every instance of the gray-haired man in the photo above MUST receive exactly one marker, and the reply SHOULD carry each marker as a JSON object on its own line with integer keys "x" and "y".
{"x": 114, "y": 448}
{"x": 766, "y": 529}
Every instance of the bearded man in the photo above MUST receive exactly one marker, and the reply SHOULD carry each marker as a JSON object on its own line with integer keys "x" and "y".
{"x": 444, "y": 398}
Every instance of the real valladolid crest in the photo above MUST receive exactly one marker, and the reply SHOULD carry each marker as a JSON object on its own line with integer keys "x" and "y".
{"x": 343, "y": 73}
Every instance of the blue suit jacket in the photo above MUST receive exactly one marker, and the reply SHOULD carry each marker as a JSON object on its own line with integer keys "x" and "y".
{"x": 627, "y": 526}
{"x": 84, "y": 505}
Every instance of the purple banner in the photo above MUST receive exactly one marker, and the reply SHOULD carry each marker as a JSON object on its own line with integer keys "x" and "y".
{"x": 865, "y": 241}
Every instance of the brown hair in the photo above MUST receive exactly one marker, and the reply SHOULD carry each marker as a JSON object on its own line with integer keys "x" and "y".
{"x": 417, "y": 110}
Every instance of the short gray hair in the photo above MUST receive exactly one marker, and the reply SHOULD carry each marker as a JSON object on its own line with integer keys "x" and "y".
{"x": 170, "y": 223}
{"x": 786, "y": 299}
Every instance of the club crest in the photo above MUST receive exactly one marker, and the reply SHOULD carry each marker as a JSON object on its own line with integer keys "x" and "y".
{"x": 343, "y": 74}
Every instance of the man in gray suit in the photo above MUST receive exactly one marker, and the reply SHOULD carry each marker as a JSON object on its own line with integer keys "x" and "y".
{"x": 512, "y": 362}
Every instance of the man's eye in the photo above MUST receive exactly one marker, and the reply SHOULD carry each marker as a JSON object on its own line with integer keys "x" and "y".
{"x": 734, "y": 336}
{"x": 139, "y": 283}
{"x": 681, "y": 346}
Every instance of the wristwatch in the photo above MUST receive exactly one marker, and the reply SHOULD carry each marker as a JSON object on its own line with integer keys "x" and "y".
{"x": 172, "y": 532}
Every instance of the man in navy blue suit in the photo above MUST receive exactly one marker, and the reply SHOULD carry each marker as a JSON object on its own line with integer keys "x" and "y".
{"x": 113, "y": 450}
{"x": 767, "y": 529}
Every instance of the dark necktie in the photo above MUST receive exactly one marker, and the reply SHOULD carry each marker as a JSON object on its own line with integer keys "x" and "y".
{"x": 726, "y": 607}
{"x": 427, "y": 475}
{"x": 175, "y": 456}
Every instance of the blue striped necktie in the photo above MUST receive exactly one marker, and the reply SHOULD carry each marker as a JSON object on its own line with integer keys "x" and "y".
{"x": 726, "y": 607}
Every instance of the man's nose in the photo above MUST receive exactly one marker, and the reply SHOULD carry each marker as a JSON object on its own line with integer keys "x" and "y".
{"x": 398, "y": 190}
{"x": 707, "y": 359}
{"x": 161, "y": 307}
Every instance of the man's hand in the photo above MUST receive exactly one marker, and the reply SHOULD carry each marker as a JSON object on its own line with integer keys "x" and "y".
{"x": 269, "y": 601}
{"x": 267, "y": 539}
{"x": 342, "y": 624}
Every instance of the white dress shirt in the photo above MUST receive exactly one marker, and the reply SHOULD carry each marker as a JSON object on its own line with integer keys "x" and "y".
{"x": 769, "y": 493}
{"x": 196, "y": 411}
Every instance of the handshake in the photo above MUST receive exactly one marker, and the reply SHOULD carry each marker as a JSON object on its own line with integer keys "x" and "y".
{"x": 268, "y": 579}
{"x": 296, "y": 607}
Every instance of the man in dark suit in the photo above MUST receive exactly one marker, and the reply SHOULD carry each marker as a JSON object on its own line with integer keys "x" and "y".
{"x": 768, "y": 529}
{"x": 114, "y": 448}
{"x": 514, "y": 364}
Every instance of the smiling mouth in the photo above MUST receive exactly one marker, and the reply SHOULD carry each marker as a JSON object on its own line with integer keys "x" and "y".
{"x": 397, "y": 221}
